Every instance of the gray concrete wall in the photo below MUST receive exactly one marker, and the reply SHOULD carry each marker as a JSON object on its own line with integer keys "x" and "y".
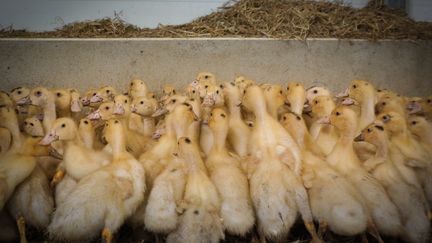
{"x": 403, "y": 66}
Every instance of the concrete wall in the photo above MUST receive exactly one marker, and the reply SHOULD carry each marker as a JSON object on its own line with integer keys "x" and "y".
{"x": 404, "y": 66}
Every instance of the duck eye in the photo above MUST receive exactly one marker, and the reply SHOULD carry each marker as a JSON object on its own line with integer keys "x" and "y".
{"x": 38, "y": 93}
{"x": 244, "y": 91}
{"x": 206, "y": 86}
{"x": 369, "y": 130}
{"x": 187, "y": 140}
{"x": 192, "y": 99}
{"x": 174, "y": 100}
{"x": 106, "y": 108}
{"x": 142, "y": 102}
{"x": 63, "y": 125}
{"x": 217, "y": 91}
{"x": 206, "y": 76}
{"x": 85, "y": 122}
{"x": 315, "y": 91}
{"x": 354, "y": 86}
{"x": 284, "y": 118}
{"x": 383, "y": 103}
{"x": 19, "y": 92}
{"x": 221, "y": 86}
{"x": 125, "y": 101}
{"x": 131, "y": 84}
{"x": 94, "y": 94}
{"x": 316, "y": 102}
{"x": 298, "y": 118}
{"x": 338, "y": 113}
{"x": 116, "y": 121}
{"x": 193, "y": 91}
{"x": 107, "y": 91}
{"x": 379, "y": 91}
{"x": 287, "y": 88}
{"x": 25, "y": 123}
{"x": 58, "y": 94}
{"x": 280, "y": 92}
{"x": 232, "y": 84}
{"x": 174, "y": 92}
{"x": 31, "y": 124}
{"x": 211, "y": 114}
{"x": 429, "y": 101}
{"x": 413, "y": 122}
{"x": 223, "y": 115}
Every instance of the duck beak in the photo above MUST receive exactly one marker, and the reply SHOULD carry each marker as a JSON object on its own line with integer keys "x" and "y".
{"x": 307, "y": 108}
{"x": 157, "y": 134}
{"x": 118, "y": 110}
{"x": 324, "y": 120}
{"x": 49, "y": 138}
{"x": 159, "y": 112}
{"x": 239, "y": 104}
{"x": 359, "y": 138}
{"x": 24, "y": 101}
{"x": 96, "y": 99}
{"x": 75, "y": 106}
{"x": 345, "y": 93}
{"x": 349, "y": 101}
{"x": 133, "y": 109}
{"x": 95, "y": 115}
{"x": 414, "y": 108}
{"x": 208, "y": 101}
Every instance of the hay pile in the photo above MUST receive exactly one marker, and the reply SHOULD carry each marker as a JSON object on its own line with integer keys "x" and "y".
{"x": 285, "y": 19}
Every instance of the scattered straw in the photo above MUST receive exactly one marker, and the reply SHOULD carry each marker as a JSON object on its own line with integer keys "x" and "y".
{"x": 285, "y": 19}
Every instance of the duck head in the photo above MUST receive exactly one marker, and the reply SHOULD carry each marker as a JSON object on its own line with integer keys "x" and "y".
{"x": 33, "y": 127}
{"x": 315, "y": 91}
{"x": 373, "y": 134}
{"x": 322, "y": 106}
{"x": 137, "y": 88}
{"x": 62, "y": 98}
{"x": 41, "y": 96}
{"x": 104, "y": 112}
{"x": 63, "y": 129}
{"x": 21, "y": 95}
{"x": 393, "y": 122}
{"x": 295, "y": 97}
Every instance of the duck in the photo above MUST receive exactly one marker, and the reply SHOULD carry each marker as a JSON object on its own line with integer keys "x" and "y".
{"x": 158, "y": 162}
{"x": 324, "y": 135}
{"x": 384, "y": 214}
{"x": 86, "y": 130}
{"x": 415, "y": 154}
{"x": 295, "y": 97}
{"x": 238, "y": 131}
{"x": 275, "y": 99}
{"x": 104, "y": 94}
{"x": 145, "y": 108}
{"x": 45, "y": 99}
{"x": 388, "y": 104}
{"x": 62, "y": 102}
{"x": 413, "y": 208}
{"x": 421, "y": 106}
{"x": 334, "y": 202}
{"x": 200, "y": 220}
{"x": 20, "y": 96}
{"x": 103, "y": 200}
{"x": 18, "y": 162}
{"x": 421, "y": 129}
{"x": 276, "y": 189}
{"x": 313, "y": 91}
{"x": 78, "y": 160}
{"x": 231, "y": 182}
{"x": 137, "y": 88}
{"x": 364, "y": 93}
{"x": 33, "y": 127}
{"x": 167, "y": 91}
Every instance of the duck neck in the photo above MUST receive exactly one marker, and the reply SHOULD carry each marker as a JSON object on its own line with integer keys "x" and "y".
{"x": 49, "y": 112}
{"x": 381, "y": 148}
{"x": 219, "y": 138}
{"x": 118, "y": 145}
{"x": 367, "y": 111}
{"x": 235, "y": 112}
{"x": 347, "y": 136}
{"x": 260, "y": 110}
{"x": 17, "y": 138}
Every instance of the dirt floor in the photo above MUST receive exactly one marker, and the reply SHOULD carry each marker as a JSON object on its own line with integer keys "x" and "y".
{"x": 285, "y": 19}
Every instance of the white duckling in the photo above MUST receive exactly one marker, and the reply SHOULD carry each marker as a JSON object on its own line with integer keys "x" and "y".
{"x": 391, "y": 104}
{"x": 324, "y": 135}
{"x": 314, "y": 91}
{"x": 410, "y": 200}
{"x": 421, "y": 106}
{"x": 414, "y": 153}
{"x": 200, "y": 221}
{"x": 104, "y": 94}
{"x": 335, "y": 203}
{"x": 161, "y": 214}
{"x": 103, "y": 200}
{"x": 275, "y": 99}
{"x": 364, "y": 93}
{"x": 20, "y": 96}
{"x": 295, "y": 97}
{"x": 277, "y": 192}
{"x": 62, "y": 102}
{"x": 231, "y": 183}
{"x": 167, "y": 91}
{"x": 45, "y": 99}
{"x": 17, "y": 163}
{"x": 422, "y": 129}
{"x": 137, "y": 88}
{"x": 343, "y": 158}
{"x": 239, "y": 131}
{"x": 146, "y": 107}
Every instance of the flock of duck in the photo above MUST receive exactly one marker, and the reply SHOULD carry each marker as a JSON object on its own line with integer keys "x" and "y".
{"x": 218, "y": 157}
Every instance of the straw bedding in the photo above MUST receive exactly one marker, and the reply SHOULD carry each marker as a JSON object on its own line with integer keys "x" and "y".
{"x": 283, "y": 19}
